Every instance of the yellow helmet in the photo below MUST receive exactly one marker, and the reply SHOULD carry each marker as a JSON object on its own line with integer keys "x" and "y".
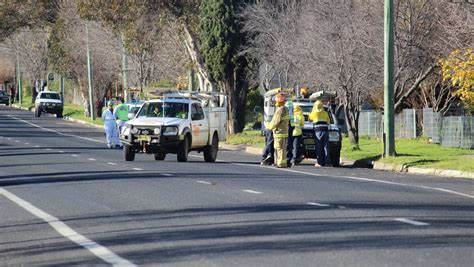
{"x": 318, "y": 106}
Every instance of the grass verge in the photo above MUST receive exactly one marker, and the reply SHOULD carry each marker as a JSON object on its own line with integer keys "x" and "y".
{"x": 77, "y": 112}
{"x": 411, "y": 152}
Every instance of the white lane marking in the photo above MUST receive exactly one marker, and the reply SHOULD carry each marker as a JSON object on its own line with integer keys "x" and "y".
{"x": 60, "y": 151}
{"x": 91, "y": 159}
{"x": 412, "y": 222}
{"x": 48, "y": 149}
{"x": 166, "y": 174}
{"x": 341, "y": 207}
{"x": 27, "y": 143}
{"x": 53, "y": 131}
{"x": 9, "y": 139}
{"x": 203, "y": 182}
{"x": 252, "y": 192}
{"x": 100, "y": 251}
{"x": 318, "y": 204}
{"x": 138, "y": 169}
{"x": 37, "y": 146}
{"x": 111, "y": 163}
{"x": 360, "y": 179}
{"x": 74, "y": 155}
{"x": 16, "y": 141}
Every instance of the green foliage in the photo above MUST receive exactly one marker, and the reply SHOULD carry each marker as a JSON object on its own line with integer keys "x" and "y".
{"x": 15, "y": 14}
{"x": 57, "y": 56}
{"x": 254, "y": 99}
{"x": 218, "y": 37}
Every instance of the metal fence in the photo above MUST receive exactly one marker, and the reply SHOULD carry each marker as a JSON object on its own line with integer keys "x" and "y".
{"x": 452, "y": 131}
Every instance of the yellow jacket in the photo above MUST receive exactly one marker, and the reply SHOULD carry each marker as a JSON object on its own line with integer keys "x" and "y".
{"x": 280, "y": 122}
{"x": 298, "y": 121}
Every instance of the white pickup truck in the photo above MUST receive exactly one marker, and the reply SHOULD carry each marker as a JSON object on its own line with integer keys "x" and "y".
{"x": 177, "y": 123}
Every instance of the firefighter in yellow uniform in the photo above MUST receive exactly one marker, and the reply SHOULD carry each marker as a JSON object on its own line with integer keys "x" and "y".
{"x": 279, "y": 126}
{"x": 320, "y": 118}
{"x": 298, "y": 124}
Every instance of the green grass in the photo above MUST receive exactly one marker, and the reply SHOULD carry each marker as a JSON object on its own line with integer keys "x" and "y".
{"x": 250, "y": 138}
{"x": 411, "y": 152}
{"x": 77, "y": 112}
{"x": 414, "y": 153}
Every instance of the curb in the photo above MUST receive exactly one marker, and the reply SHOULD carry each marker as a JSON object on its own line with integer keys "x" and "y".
{"x": 82, "y": 122}
{"x": 370, "y": 164}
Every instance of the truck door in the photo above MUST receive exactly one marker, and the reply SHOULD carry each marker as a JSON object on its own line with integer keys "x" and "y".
{"x": 200, "y": 125}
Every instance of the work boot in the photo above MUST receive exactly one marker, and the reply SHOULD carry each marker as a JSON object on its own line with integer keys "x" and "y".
{"x": 267, "y": 161}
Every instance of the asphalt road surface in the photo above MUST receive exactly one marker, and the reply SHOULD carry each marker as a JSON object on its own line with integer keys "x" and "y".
{"x": 65, "y": 199}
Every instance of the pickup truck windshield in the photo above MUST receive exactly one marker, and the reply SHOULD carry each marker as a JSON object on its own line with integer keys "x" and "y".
{"x": 50, "y": 96}
{"x": 167, "y": 110}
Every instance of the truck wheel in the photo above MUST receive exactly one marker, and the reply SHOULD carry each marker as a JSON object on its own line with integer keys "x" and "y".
{"x": 183, "y": 149}
{"x": 210, "y": 152}
{"x": 160, "y": 156}
{"x": 335, "y": 158}
{"x": 129, "y": 153}
{"x": 38, "y": 113}
{"x": 59, "y": 114}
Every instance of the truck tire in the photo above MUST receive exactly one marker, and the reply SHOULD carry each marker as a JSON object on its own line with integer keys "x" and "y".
{"x": 38, "y": 113}
{"x": 59, "y": 114}
{"x": 183, "y": 149}
{"x": 160, "y": 156}
{"x": 335, "y": 158}
{"x": 210, "y": 152}
{"x": 129, "y": 153}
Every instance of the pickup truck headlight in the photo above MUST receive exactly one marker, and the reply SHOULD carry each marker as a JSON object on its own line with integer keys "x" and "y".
{"x": 126, "y": 130}
{"x": 170, "y": 130}
{"x": 157, "y": 131}
{"x": 134, "y": 130}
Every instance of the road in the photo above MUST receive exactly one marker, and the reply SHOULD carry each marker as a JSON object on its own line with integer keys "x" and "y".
{"x": 65, "y": 199}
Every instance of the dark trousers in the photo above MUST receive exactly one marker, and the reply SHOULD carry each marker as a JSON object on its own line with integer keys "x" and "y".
{"x": 296, "y": 148}
{"x": 322, "y": 146}
{"x": 269, "y": 150}
{"x": 289, "y": 149}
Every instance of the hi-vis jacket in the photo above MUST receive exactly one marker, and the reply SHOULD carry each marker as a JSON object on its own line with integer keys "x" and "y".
{"x": 280, "y": 122}
{"x": 298, "y": 123}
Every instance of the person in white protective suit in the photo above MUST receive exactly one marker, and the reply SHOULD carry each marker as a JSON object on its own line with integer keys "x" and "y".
{"x": 110, "y": 126}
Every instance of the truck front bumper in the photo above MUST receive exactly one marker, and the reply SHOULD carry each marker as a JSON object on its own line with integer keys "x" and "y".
{"x": 152, "y": 143}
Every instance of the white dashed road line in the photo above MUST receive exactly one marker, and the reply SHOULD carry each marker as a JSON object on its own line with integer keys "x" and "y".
{"x": 27, "y": 143}
{"x": 16, "y": 141}
{"x": 111, "y": 163}
{"x": 318, "y": 204}
{"x": 60, "y": 151}
{"x": 48, "y": 149}
{"x": 100, "y": 251}
{"x": 37, "y": 146}
{"x": 91, "y": 159}
{"x": 412, "y": 222}
{"x": 166, "y": 174}
{"x": 252, "y": 191}
{"x": 138, "y": 169}
{"x": 203, "y": 182}
{"x": 74, "y": 155}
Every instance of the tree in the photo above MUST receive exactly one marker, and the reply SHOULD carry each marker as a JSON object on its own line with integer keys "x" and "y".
{"x": 67, "y": 53}
{"x": 220, "y": 41}
{"x": 458, "y": 68}
{"x": 16, "y": 14}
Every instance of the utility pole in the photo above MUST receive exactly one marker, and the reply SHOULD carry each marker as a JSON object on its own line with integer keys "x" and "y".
{"x": 61, "y": 87}
{"x": 125, "y": 70}
{"x": 389, "y": 123}
{"x": 20, "y": 95}
{"x": 89, "y": 75}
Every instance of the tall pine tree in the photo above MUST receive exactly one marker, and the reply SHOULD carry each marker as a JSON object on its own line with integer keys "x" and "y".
{"x": 221, "y": 38}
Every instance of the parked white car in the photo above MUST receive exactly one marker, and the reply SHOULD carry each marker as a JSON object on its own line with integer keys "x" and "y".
{"x": 49, "y": 102}
{"x": 177, "y": 123}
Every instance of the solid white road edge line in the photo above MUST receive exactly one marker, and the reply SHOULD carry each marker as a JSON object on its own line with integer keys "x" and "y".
{"x": 203, "y": 182}
{"x": 362, "y": 179}
{"x": 100, "y": 251}
{"x": 412, "y": 222}
{"x": 318, "y": 204}
{"x": 251, "y": 191}
{"x": 53, "y": 131}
